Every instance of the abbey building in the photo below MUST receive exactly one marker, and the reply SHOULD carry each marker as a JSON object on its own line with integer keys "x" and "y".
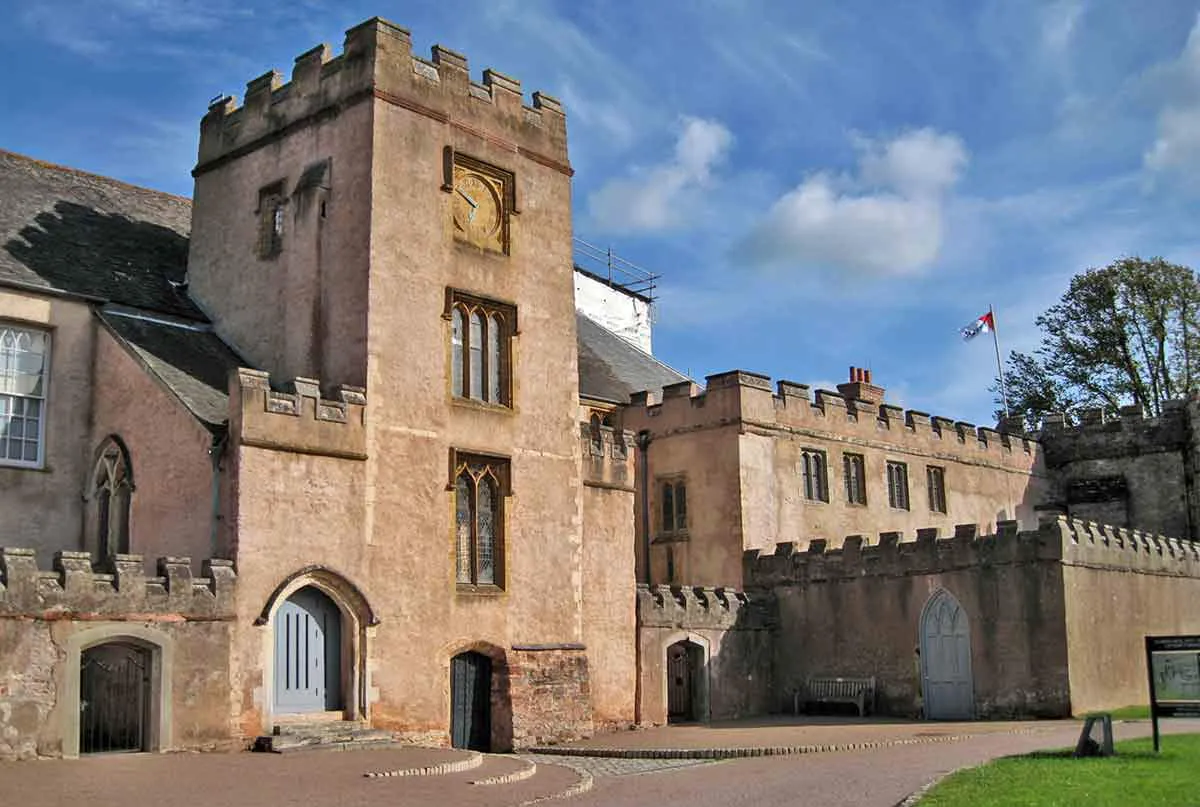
{"x": 345, "y": 436}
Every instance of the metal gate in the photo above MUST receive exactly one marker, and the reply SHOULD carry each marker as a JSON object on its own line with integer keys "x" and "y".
{"x": 681, "y": 677}
{"x": 470, "y": 701}
{"x": 114, "y": 698}
{"x": 946, "y": 660}
{"x": 308, "y": 654}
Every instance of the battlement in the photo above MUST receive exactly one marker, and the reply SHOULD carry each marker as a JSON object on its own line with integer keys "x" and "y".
{"x": 377, "y": 62}
{"x": 73, "y": 590}
{"x": 607, "y": 457}
{"x": 747, "y": 399}
{"x": 1099, "y": 436}
{"x": 702, "y": 607}
{"x": 298, "y": 420}
{"x": 1057, "y": 539}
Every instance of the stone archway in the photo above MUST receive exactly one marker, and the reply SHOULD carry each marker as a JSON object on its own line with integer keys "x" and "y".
{"x": 947, "y": 682}
{"x": 315, "y": 653}
{"x": 117, "y": 692}
{"x": 685, "y": 682}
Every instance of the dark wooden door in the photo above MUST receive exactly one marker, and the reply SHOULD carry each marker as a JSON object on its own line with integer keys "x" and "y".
{"x": 114, "y": 698}
{"x": 680, "y": 676}
{"x": 470, "y": 701}
{"x": 307, "y": 654}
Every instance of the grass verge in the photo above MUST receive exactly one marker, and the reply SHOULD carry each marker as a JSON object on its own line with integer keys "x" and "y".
{"x": 1135, "y": 776}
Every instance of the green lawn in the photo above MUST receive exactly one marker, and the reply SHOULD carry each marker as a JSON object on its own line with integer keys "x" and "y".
{"x": 1130, "y": 713}
{"x": 1136, "y": 776}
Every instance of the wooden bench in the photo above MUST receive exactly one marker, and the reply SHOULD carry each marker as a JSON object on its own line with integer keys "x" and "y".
{"x": 857, "y": 691}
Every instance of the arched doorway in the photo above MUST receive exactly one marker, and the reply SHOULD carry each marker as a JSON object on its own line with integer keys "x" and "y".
{"x": 948, "y": 686}
{"x": 114, "y": 698}
{"x": 308, "y": 653}
{"x": 685, "y": 665}
{"x": 471, "y": 701}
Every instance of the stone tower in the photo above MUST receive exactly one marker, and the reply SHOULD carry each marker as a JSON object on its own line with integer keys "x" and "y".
{"x": 383, "y": 221}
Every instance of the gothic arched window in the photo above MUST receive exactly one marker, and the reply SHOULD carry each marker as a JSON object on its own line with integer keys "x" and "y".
{"x": 112, "y": 484}
{"x": 480, "y": 484}
{"x": 480, "y": 354}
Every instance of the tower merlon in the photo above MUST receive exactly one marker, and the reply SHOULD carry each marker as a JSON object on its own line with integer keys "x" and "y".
{"x": 377, "y": 62}
{"x": 297, "y": 419}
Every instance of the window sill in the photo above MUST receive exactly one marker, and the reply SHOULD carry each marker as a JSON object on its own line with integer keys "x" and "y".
{"x": 37, "y": 469}
{"x": 815, "y": 501}
{"x": 473, "y": 590}
{"x": 671, "y": 537}
{"x": 857, "y": 504}
{"x": 481, "y": 406}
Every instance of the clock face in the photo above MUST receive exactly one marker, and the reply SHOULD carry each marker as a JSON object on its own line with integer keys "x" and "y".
{"x": 478, "y": 212}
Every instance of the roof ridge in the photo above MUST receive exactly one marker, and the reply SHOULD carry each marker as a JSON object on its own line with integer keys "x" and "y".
{"x": 66, "y": 169}
{"x": 637, "y": 347}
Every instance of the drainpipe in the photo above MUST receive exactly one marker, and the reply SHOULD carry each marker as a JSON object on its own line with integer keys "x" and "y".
{"x": 215, "y": 452}
{"x": 643, "y": 444}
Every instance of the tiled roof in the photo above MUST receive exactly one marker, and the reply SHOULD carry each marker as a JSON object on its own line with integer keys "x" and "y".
{"x": 69, "y": 231}
{"x": 611, "y": 368}
{"x": 191, "y": 361}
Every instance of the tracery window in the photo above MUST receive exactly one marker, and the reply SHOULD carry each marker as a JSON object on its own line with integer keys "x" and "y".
{"x": 480, "y": 348}
{"x": 480, "y": 485}
{"x": 936, "y": 482}
{"x": 24, "y": 361}
{"x": 112, "y": 484}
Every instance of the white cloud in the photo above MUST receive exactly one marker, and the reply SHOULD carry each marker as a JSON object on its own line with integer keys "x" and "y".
{"x": 888, "y": 220}
{"x": 1177, "y": 143}
{"x": 1059, "y": 21}
{"x": 657, "y": 198}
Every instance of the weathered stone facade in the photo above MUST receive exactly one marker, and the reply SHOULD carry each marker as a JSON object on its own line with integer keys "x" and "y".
{"x": 49, "y": 618}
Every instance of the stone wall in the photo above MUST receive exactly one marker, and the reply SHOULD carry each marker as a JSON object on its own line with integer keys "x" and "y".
{"x": 1121, "y": 586}
{"x": 551, "y": 694}
{"x": 49, "y": 618}
{"x": 1055, "y": 614}
{"x": 608, "y": 612}
{"x": 1131, "y": 471}
{"x": 734, "y": 631}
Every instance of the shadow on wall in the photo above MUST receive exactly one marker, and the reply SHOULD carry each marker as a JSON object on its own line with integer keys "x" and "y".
{"x": 87, "y": 251}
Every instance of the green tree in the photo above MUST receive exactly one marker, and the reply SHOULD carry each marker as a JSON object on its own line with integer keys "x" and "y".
{"x": 1126, "y": 333}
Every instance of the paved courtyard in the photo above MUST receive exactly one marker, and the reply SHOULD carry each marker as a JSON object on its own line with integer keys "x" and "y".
{"x": 892, "y": 759}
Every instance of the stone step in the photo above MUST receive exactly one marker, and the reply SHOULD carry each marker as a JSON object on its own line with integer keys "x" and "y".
{"x": 341, "y": 735}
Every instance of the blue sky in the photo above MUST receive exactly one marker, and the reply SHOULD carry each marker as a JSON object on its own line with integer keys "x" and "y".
{"x": 819, "y": 184}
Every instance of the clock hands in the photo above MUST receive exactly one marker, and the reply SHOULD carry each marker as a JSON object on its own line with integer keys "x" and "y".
{"x": 474, "y": 205}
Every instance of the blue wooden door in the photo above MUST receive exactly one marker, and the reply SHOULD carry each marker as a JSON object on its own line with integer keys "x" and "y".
{"x": 307, "y": 653}
{"x": 946, "y": 660}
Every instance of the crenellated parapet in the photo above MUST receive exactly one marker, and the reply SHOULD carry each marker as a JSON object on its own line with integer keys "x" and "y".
{"x": 698, "y": 607}
{"x": 377, "y": 62}
{"x": 72, "y": 589}
{"x": 750, "y": 401}
{"x": 297, "y": 419}
{"x": 607, "y": 457}
{"x": 1057, "y": 540}
{"x": 1098, "y": 436}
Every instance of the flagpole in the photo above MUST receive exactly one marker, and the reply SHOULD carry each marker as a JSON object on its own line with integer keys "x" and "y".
{"x": 999, "y": 364}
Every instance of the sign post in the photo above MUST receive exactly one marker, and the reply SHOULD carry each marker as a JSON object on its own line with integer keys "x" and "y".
{"x": 1173, "y": 666}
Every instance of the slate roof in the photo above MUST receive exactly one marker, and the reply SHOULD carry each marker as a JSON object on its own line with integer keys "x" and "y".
{"x": 74, "y": 232}
{"x": 611, "y": 368}
{"x": 193, "y": 364}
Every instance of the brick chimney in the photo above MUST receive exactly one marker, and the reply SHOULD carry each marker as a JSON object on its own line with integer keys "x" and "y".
{"x": 860, "y": 387}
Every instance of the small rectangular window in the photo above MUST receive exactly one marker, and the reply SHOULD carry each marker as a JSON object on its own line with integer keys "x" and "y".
{"x": 673, "y": 506}
{"x": 813, "y": 471}
{"x": 936, "y": 479}
{"x": 854, "y": 471}
{"x": 897, "y": 481}
{"x": 271, "y": 205}
{"x": 481, "y": 334}
{"x": 24, "y": 365}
